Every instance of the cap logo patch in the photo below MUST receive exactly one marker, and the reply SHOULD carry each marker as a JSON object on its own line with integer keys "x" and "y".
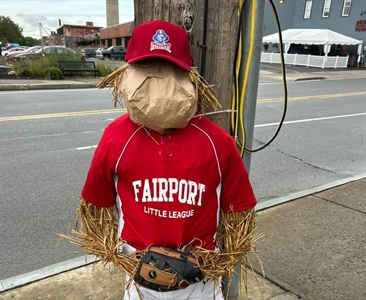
{"x": 160, "y": 40}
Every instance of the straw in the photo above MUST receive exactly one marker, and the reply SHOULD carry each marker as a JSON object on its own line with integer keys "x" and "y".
{"x": 206, "y": 97}
{"x": 96, "y": 231}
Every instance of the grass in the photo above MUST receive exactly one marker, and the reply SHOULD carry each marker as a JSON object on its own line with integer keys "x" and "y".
{"x": 40, "y": 67}
{"x": 106, "y": 67}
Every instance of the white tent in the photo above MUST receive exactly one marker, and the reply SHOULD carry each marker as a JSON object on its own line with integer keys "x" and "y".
{"x": 323, "y": 37}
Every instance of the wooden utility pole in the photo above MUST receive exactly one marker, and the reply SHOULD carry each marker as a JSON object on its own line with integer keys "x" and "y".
{"x": 212, "y": 29}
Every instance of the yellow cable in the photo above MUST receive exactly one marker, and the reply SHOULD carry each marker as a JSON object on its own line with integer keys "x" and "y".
{"x": 237, "y": 114}
{"x": 247, "y": 67}
{"x": 239, "y": 57}
{"x": 235, "y": 92}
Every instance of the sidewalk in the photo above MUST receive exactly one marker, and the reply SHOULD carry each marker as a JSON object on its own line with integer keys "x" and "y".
{"x": 314, "y": 245}
{"x": 272, "y": 73}
{"x": 38, "y": 84}
{"x": 268, "y": 73}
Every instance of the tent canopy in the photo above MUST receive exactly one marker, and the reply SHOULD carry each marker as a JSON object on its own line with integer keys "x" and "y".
{"x": 323, "y": 37}
{"x": 311, "y": 37}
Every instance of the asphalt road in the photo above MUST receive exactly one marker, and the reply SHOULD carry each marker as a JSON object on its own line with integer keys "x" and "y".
{"x": 48, "y": 138}
{"x": 42, "y": 171}
{"x": 322, "y": 140}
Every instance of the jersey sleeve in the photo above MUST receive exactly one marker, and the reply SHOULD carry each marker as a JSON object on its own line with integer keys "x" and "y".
{"x": 237, "y": 192}
{"x": 99, "y": 188}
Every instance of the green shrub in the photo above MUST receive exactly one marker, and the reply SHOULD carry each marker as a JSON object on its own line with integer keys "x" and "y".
{"x": 37, "y": 67}
{"x": 20, "y": 70}
{"x": 53, "y": 73}
{"x": 106, "y": 67}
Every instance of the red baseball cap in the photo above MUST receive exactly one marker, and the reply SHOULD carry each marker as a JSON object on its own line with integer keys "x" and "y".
{"x": 160, "y": 39}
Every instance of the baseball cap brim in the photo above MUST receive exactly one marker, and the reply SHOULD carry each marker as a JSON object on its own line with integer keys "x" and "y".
{"x": 177, "y": 62}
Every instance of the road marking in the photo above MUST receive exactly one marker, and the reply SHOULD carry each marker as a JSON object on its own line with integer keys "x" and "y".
{"x": 112, "y": 111}
{"x": 86, "y": 147}
{"x": 311, "y": 120}
{"x": 314, "y": 97}
{"x": 63, "y": 115}
{"x": 269, "y": 124}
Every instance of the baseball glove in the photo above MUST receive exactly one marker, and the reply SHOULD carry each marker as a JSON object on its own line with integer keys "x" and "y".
{"x": 164, "y": 269}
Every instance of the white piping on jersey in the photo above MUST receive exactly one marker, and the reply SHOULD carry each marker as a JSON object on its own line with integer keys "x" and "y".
{"x": 218, "y": 189}
{"x": 121, "y": 221}
{"x": 115, "y": 178}
{"x": 124, "y": 148}
{"x": 149, "y": 134}
{"x": 213, "y": 148}
{"x": 218, "y": 197}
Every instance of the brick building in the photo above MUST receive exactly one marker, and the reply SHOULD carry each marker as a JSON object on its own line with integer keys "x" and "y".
{"x": 79, "y": 35}
{"x": 116, "y": 35}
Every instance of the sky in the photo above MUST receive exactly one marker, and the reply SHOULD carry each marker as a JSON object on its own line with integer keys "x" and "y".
{"x": 28, "y": 14}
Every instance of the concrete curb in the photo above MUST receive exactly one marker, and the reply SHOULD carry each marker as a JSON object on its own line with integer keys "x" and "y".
{"x": 277, "y": 201}
{"x": 43, "y": 86}
{"x": 27, "y": 278}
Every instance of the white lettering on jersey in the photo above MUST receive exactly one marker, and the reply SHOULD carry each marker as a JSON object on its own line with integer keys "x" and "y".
{"x": 173, "y": 188}
{"x": 155, "y": 212}
{"x": 181, "y": 214}
{"x": 146, "y": 193}
{"x": 168, "y": 214}
{"x": 136, "y": 184}
{"x": 164, "y": 190}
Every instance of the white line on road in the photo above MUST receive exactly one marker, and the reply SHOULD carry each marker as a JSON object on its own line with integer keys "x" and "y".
{"x": 311, "y": 120}
{"x": 86, "y": 147}
{"x": 270, "y": 124}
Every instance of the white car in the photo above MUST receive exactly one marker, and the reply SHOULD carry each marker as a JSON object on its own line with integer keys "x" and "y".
{"x": 48, "y": 50}
{"x": 11, "y": 56}
{"x": 12, "y": 50}
{"x": 99, "y": 54}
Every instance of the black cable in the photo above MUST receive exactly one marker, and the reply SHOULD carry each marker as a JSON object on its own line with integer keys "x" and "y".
{"x": 240, "y": 23}
{"x": 236, "y": 105}
{"x": 203, "y": 45}
{"x": 284, "y": 83}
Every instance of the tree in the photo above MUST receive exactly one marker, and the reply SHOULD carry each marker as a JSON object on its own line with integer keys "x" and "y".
{"x": 10, "y": 32}
{"x": 30, "y": 41}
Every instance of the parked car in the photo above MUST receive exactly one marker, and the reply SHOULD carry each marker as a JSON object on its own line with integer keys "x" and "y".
{"x": 98, "y": 53}
{"x": 49, "y": 50}
{"x": 88, "y": 53}
{"x": 11, "y": 56}
{"x": 12, "y": 50}
{"x": 11, "y": 45}
{"x": 113, "y": 52}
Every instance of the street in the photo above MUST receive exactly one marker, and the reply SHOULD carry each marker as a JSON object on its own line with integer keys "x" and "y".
{"x": 323, "y": 138}
{"x": 48, "y": 138}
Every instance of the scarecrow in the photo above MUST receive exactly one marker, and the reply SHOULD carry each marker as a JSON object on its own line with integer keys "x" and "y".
{"x": 167, "y": 198}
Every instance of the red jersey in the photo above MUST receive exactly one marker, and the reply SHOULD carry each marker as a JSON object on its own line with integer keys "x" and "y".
{"x": 169, "y": 189}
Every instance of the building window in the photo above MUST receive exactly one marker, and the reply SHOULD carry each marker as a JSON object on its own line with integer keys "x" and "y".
{"x": 308, "y": 6}
{"x": 346, "y": 8}
{"x": 326, "y": 8}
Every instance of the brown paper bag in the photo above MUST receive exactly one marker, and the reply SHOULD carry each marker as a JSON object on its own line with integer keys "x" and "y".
{"x": 158, "y": 95}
